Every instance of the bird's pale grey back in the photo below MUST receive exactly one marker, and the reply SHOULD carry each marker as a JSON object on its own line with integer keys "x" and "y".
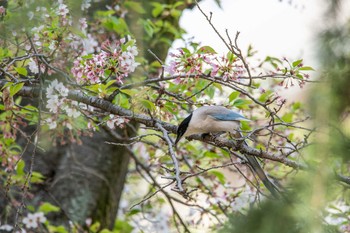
{"x": 213, "y": 119}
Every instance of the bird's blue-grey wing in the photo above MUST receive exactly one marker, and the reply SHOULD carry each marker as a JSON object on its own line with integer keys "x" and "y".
{"x": 228, "y": 116}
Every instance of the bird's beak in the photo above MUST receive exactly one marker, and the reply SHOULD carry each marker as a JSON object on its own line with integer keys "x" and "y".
{"x": 177, "y": 139}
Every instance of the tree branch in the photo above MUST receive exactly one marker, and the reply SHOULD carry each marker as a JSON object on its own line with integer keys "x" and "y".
{"x": 151, "y": 122}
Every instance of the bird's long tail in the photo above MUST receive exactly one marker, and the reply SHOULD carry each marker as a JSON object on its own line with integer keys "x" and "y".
{"x": 255, "y": 165}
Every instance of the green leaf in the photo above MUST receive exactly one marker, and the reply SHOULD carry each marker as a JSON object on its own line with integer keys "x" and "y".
{"x": 20, "y": 167}
{"x": 297, "y": 62}
{"x": 135, "y": 6}
{"x": 186, "y": 51}
{"x": 233, "y": 96}
{"x": 122, "y": 226}
{"x": 105, "y": 231}
{"x": 175, "y": 13}
{"x": 47, "y": 207}
{"x": 116, "y": 24}
{"x": 218, "y": 87}
{"x": 288, "y": 117}
{"x": 210, "y": 91}
{"x": 133, "y": 212}
{"x": 88, "y": 56}
{"x": 7, "y": 85}
{"x": 170, "y": 107}
{"x": 157, "y": 9}
{"x": 110, "y": 82}
{"x": 299, "y": 76}
{"x": 37, "y": 178}
{"x": 306, "y": 68}
{"x": 260, "y": 147}
{"x": 148, "y": 104}
{"x": 296, "y": 106}
{"x": 219, "y": 175}
{"x": 206, "y": 50}
{"x": 265, "y": 96}
{"x": 156, "y": 64}
{"x": 148, "y": 26}
{"x": 178, "y": 3}
{"x": 218, "y": 2}
{"x": 95, "y": 227}
{"x": 245, "y": 126}
{"x": 15, "y": 88}
{"x": 58, "y": 229}
{"x": 5, "y": 52}
{"x": 273, "y": 61}
{"x": 15, "y": 148}
{"x": 21, "y": 71}
{"x": 122, "y": 101}
{"x": 230, "y": 56}
{"x": 251, "y": 51}
{"x": 129, "y": 92}
{"x": 241, "y": 103}
{"x": 212, "y": 155}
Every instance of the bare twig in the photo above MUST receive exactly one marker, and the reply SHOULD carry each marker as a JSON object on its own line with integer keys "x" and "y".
{"x": 174, "y": 159}
{"x": 32, "y": 158}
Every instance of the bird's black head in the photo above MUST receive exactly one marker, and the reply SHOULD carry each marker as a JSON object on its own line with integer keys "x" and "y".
{"x": 182, "y": 128}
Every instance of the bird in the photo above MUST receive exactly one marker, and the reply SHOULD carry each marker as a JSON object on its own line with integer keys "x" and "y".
{"x": 216, "y": 119}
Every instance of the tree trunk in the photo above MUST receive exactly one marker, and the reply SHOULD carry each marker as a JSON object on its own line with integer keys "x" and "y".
{"x": 90, "y": 178}
{"x": 86, "y": 181}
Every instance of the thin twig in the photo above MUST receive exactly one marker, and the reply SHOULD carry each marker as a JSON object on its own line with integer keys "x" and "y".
{"x": 173, "y": 157}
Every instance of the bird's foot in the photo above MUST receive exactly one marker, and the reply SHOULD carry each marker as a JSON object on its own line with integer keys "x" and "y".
{"x": 204, "y": 135}
{"x": 212, "y": 135}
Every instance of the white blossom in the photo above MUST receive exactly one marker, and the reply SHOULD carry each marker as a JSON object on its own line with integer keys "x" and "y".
{"x": 33, "y": 220}
{"x": 62, "y": 90}
{"x": 6, "y": 227}
{"x": 52, "y": 45}
{"x": 21, "y": 231}
{"x": 33, "y": 67}
{"x": 110, "y": 122}
{"x": 69, "y": 125}
{"x": 83, "y": 23}
{"x": 72, "y": 112}
{"x": 133, "y": 50}
{"x": 51, "y": 123}
{"x": 40, "y": 217}
{"x": 30, "y": 15}
{"x": 334, "y": 220}
{"x": 127, "y": 62}
{"x": 30, "y": 221}
{"x": 36, "y": 30}
{"x": 2, "y": 10}
{"x": 89, "y": 44}
{"x": 116, "y": 121}
{"x": 53, "y": 103}
{"x": 55, "y": 93}
{"x": 56, "y": 88}
{"x": 62, "y": 9}
{"x": 85, "y": 5}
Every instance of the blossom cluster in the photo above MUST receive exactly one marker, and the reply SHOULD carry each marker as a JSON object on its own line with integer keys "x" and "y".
{"x": 44, "y": 36}
{"x": 338, "y": 215}
{"x": 56, "y": 94}
{"x": 31, "y": 221}
{"x": 116, "y": 59}
{"x": 114, "y": 121}
{"x": 204, "y": 63}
